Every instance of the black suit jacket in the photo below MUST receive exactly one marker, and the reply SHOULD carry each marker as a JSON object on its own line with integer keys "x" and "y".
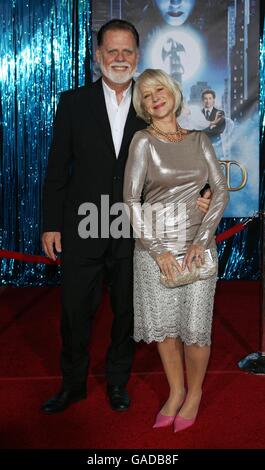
{"x": 83, "y": 166}
{"x": 215, "y": 132}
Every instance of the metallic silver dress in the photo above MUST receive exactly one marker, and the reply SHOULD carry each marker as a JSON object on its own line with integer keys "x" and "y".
{"x": 171, "y": 175}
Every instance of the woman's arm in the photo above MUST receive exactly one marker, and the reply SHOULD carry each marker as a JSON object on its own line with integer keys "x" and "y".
{"x": 134, "y": 180}
{"x": 219, "y": 199}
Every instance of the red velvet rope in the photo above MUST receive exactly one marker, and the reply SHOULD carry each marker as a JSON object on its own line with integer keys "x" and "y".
{"x": 44, "y": 260}
{"x": 27, "y": 258}
{"x": 229, "y": 232}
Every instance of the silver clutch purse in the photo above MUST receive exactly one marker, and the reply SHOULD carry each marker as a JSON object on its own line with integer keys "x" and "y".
{"x": 208, "y": 269}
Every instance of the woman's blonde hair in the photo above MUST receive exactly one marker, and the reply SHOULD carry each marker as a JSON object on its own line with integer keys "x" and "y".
{"x": 151, "y": 77}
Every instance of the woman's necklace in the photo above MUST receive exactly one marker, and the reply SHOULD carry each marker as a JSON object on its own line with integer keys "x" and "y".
{"x": 176, "y": 136}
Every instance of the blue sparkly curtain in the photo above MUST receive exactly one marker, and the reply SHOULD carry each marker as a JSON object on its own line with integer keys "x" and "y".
{"x": 240, "y": 256}
{"x": 262, "y": 110}
{"x": 45, "y": 48}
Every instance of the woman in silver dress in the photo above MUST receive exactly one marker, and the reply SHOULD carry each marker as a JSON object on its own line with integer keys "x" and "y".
{"x": 166, "y": 169}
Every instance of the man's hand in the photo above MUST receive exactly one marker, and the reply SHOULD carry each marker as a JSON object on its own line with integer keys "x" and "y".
{"x": 204, "y": 202}
{"x": 218, "y": 118}
{"x": 49, "y": 241}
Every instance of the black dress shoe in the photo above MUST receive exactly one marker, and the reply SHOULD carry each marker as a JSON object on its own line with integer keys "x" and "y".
{"x": 62, "y": 400}
{"x": 118, "y": 397}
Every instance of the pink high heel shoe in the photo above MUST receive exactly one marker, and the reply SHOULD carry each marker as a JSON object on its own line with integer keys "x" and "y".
{"x": 162, "y": 421}
{"x": 181, "y": 423}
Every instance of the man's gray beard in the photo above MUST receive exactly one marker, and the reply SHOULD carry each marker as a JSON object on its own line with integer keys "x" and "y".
{"x": 118, "y": 78}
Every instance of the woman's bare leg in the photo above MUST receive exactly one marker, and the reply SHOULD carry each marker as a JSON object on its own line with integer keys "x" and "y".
{"x": 171, "y": 353}
{"x": 196, "y": 359}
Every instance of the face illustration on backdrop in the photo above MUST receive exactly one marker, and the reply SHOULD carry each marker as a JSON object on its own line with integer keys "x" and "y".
{"x": 208, "y": 100}
{"x": 175, "y": 12}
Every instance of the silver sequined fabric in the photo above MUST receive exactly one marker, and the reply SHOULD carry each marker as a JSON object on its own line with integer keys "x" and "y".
{"x": 183, "y": 312}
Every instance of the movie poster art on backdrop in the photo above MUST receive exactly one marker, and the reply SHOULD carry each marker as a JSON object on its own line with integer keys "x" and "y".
{"x": 212, "y": 49}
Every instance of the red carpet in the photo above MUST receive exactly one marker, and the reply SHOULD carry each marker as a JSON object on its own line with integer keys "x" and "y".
{"x": 231, "y": 413}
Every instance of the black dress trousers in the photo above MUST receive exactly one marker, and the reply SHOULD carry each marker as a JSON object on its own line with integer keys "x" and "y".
{"x": 82, "y": 280}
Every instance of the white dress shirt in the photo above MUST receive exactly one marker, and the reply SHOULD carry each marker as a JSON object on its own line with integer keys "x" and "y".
{"x": 117, "y": 113}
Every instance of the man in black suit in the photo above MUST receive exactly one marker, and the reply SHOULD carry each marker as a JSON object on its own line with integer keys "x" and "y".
{"x": 216, "y": 119}
{"x": 93, "y": 129}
